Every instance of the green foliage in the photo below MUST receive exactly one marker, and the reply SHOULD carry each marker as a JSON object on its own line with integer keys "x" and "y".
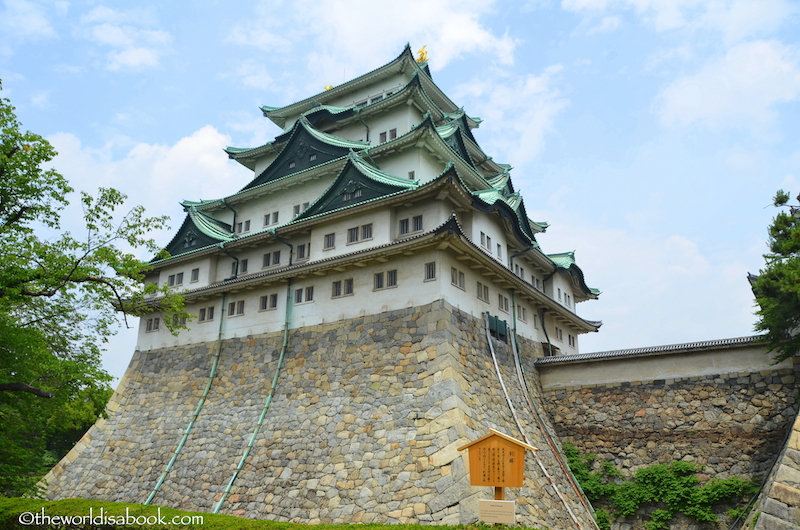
{"x": 603, "y": 519}
{"x": 675, "y": 485}
{"x": 59, "y": 295}
{"x": 777, "y": 287}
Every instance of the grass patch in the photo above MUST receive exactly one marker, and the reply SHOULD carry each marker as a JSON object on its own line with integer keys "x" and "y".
{"x": 12, "y": 508}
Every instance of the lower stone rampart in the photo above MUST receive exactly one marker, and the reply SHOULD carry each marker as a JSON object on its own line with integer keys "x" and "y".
{"x": 729, "y": 424}
{"x": 364, "y": 426}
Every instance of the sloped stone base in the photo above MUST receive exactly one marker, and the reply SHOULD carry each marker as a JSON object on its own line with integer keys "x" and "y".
{"x": 364, "y": 426}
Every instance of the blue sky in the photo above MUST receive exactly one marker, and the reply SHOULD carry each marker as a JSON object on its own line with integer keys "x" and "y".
{"x": 651, "y": 135}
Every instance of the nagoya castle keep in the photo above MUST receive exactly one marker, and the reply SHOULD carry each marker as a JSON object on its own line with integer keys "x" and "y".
{"x": 371, "y": 300}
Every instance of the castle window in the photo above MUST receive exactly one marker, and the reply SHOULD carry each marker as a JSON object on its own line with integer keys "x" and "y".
{"x": 571, "y": 340}
{"x": 178, "y": 321}
{"x": 523, "y": 314}
{"x": 404, "y": 226}
{"x": 559, "y": 294}
{"x": 296, "y": 210}
{"x": 244, "y": 266}
{"x": 383, "y": 137}
{"x": 384, "y": 280}
{"x": 342, "y": 288}
{"x": 308, "y": 292}
{"x": 483, "y": 292}
{"x": 171, "y": 280}
{"x": 410, "y": 175}
{"x": 499, "y": 251}
{"x": 179, "y": 279}
{"x": 267, "y": 260}
{"x": 536, "y": 321}
{"x": 312, "y": 157}
{"x": 376, "y": 99}
{"x": 457, "y": 278}
{"x": 366, "y": 231}
{"x": 560, "y": 334}
{"x": 152, "y": 324}
{"x": 292, "y": 165}
{"x": 274, "y": 217}
{"x": 206, "y": 314}
{"x": 236, "y": 308}
{"x": 502, "y": 302}
{"x": 304, "y": 251}
{"x": 378, "y": 281}
{"x": 268, "y": 302}
{"x": 195, "y": 275}
{"x": 352, "y": 235}
{"x": 330, "y": 241}
{"x": 276, "y": 257}
{"x": 430, "y": 271}
{"x": 483, "y": 239}
{"x": 417, "y": 222}
{"x": 362, "y": 104}
{"x": 391, "y": 279}
{"x": 271, "y": 219}
{"x": 392, "y": 134}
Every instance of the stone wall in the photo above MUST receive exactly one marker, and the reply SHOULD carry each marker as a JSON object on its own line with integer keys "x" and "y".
{"x": 729, "y": 424}
{"x": 364, "y": 426}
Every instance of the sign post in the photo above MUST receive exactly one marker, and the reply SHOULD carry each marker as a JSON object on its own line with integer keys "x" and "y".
{"x": 497, "y": 460}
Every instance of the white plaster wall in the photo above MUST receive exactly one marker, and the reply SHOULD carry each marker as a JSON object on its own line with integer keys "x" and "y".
{"x": 490, "y": 225}
{"x": 380, "y": 234}
{"x": 664, "y": 366}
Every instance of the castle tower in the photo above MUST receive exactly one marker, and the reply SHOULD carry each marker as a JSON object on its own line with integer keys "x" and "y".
{"x": 371, "y": 300}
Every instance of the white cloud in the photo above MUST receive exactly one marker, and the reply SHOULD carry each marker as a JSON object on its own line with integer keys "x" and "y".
{"x": 355, "y": 35}
{"x": 735, "y": 19}
{"x": 252, "y": 74}
{"x": 517, "y": 111}
{"x": 606, "y": 25}
{"x": 25, "y": 20}
{"x": 741, "y": 88}
{"x": 132, "y": 44}
{"x": 157, "y": 176}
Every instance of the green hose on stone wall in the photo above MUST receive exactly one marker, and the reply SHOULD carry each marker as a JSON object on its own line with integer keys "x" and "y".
{"x": 268, "y": 402}
{"x": 197, "y": 409}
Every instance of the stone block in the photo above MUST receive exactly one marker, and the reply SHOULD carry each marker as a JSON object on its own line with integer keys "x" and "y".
{"x": 785, "y": 494}
{"x": 770, "y": 522}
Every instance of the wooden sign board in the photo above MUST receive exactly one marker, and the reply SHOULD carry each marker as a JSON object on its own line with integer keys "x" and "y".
{"x": 501, "y": 512}
{"x": 497, "y": 460}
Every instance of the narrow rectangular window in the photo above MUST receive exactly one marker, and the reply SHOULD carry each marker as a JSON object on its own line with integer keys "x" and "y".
{"x": 292, "y": 164}
{"x": 312, "y": 157}
{"x": 244, "y": 265}
{"x": 536, "y": 321}
{"x": 301, "y": 251}
{"x": 392, "y": 134}
{"x": 296, "y": 210}
{"x": 483, "y": 239}
{"x": 239, "y": 228}
{"x": 430, "y": 271}
{"x": 202, "y": 315}
{"x": 266, "y": 219}
{"x": 171, "y": 280}
{"x": 240, "y": 307}
{"x": 273, "y": 301}
{"x": 523, "y": 314}
{"x": 276, "y": 257}
{"x": 378, "y": 281}
{"x": 382, "y": 137}
{"x": 417, "y": 223}
{"x": 267, "y": 260}
{"x": 352, "y": 235}
{"x": 298, "y": 296}
{"x": 179, "y": 279}
{"x": 305, "y": 206}
{"x": 499, "y": 251}
{"x": 336, "y": 289}
{"x": 231, "y": 308}
{"x": 195, "y": 275}
{"x": 366, "y": 231}
{"x": 309, "y": 294}
{"x": 262, "y": 303}
{"x": 559, "y": 294}
{"x": 410, "y": 175}
{"x": 247, "y": 226}
{"x": 404, "y": 226}
{"x": 489, "y": 244}
{"x": 149, "y": 324}
{"x": 330, "y": 241}
{"x": 275, "y": 217}
{"x": 348, "y": 286}
{"x": 210, "y": 313}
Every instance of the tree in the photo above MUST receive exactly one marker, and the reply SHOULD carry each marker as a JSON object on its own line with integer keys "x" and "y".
{"x": 59, "y": 296}
{"x": 777, "y": 287}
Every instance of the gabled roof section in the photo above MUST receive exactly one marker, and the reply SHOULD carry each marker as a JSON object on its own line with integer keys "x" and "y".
{"x": 403, "y": 63}
{"x": 510, "y": 207}
{"x": 305, "y": 147}
{"x": 357, "y": 183}
{"x": 566, "y": 262}
{"x": 460, "y": 119}
{"x": 198, "y": 231}
{"x": 319, "y": 113}
{"x": 451, "y": 133}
